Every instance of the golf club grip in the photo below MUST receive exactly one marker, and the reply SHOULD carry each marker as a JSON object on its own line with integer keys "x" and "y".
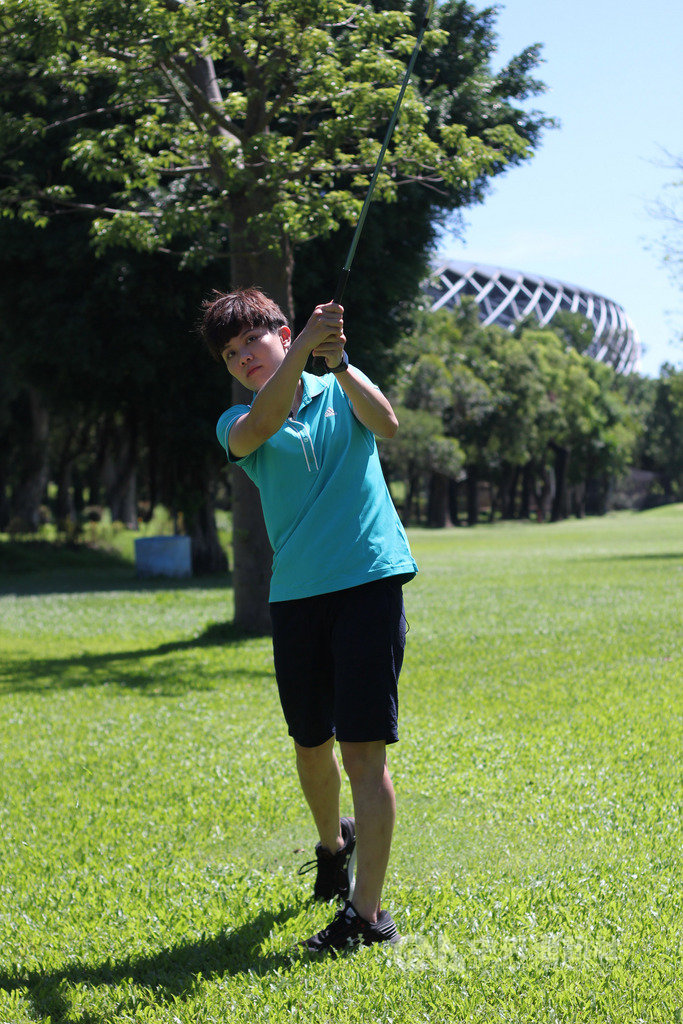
{"x": 319, "y": 365}
{"x": 341, "y": 285}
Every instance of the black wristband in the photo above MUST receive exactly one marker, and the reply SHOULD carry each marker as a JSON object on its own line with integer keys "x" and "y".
{"x": 344, "y": 365}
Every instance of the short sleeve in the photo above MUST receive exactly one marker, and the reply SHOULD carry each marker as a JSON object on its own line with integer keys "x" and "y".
{"x": 224, "y": 425}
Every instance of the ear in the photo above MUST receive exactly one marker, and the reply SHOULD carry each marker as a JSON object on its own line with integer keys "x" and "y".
{"x": 285, "y": 337}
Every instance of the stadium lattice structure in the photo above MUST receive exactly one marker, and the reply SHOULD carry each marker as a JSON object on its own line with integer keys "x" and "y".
{"x": 505, "y": 297}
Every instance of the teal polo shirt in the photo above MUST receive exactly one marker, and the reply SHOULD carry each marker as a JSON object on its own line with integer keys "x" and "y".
{"x": 328, "y": 512}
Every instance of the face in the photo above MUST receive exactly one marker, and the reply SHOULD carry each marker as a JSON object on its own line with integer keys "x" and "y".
{"x": 253, "y": 356}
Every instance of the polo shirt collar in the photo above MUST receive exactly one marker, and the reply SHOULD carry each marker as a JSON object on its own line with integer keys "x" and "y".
{"x": 313, "y": 386}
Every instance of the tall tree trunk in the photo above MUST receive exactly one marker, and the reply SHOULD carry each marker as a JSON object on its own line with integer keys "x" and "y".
{"x": 119, "y": 473}
{"x": 472, "y": 495}
{"x": 438, "y": 509}
{"x": 578, "y": 499}
{"x": 152, "y": 468}
{"x": 527, "y": 491}
{"x": 34, "y": 465}
{"x": 559, "y": 506}
{"x": 493, "y": 498}
{"x": 252, "y": 555}
{"x": 272, "y": 272}
{"x": 4, "y": 496}
{"x": 207, "y": 554}
{"x": 77, "y": 485}
{"x": 65, "y": 507}
{"x": 544, "y": 493}
{"x": 508, "y": 490}
{"x": 412, "y": 484}
{"x": 453, "y": 495}
{"x": 604, "y": 495}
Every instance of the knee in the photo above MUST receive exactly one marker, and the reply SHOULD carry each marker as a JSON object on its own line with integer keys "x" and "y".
{"x": 314, "y": 760}
{"x": 364, "y": 761}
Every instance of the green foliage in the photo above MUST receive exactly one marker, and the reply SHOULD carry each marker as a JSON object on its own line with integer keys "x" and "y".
{"x": 153, "y": 824}
{"x": 575, "y": 330}
{"x": 384, "y": 288}
{"x": 289, "y": 126}
{"x": 465, "y": 100}
{"x": 514, "y": 400}
{"x": 663, "y": 449}
{"x": 655, "y": 409}
{"x": 421, "y": 447}
{"x": 233, "y": 132}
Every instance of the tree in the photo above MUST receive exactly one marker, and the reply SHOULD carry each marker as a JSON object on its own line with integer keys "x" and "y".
{"x": 97, "y": 355}
{"x": 518, "y": 408}
{"x": 419, "y": 451}
{"x": 251, "y": 128}
{"x": 97, "y": 370}
{"x": 383, "y": 293}
{"x": 439, "y": 398}
{"x": 602, "y": 454}
{"x": 422, "y": 448}
{"x": 574, "y": 329}
{"x": 668, "y": 210}
{"x": 663, "y": 448}
{"x": 637, "y": 392}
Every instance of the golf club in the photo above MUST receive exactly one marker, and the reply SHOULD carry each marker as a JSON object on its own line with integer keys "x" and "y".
{"x": 320, "y": 364}
{"x": 346, "y": 269}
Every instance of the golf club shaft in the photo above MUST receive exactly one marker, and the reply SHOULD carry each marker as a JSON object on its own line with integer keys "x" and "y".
{"x": 344, "y": 276}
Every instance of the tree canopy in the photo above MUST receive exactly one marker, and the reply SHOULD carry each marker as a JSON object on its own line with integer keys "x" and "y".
{"x": 233, "y": 135}
{"x": 518, "y": 410}
{"x": 195, "y": 112}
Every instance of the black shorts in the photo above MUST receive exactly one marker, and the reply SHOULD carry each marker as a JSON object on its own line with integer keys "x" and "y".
{"x": 338, "y": 657}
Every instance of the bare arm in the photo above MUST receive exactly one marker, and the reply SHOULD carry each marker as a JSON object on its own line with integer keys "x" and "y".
{"x": 370, "y": 406}
{"x": 273, "y": 402}
{"x": 270, "y": 407}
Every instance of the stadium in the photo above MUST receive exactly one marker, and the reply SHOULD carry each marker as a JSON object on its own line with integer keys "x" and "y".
{"x": 505, "y": 297}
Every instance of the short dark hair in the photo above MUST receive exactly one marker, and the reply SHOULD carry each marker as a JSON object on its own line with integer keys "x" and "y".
{"x": 227, "y": 314}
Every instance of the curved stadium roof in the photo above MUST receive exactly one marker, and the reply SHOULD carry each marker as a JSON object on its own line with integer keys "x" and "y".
{"x": 507, "y": 296}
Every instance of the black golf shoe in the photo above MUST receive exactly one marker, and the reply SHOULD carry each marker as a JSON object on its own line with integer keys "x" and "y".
{"x": 334, "y": 870}
{"x": 349, "y": 930}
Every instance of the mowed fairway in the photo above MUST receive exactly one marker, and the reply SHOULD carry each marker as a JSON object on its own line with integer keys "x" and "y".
{"x": 152, "y": 825}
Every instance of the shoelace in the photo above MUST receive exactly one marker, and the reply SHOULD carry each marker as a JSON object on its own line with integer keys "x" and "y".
{"x": 308, "y": 866}
{"x": 325, "y": 860}
{"x": 347, "y": 915}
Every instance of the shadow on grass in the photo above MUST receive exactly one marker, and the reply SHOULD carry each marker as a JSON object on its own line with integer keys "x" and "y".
{"x": 42, "y": 567}
{"x": 653, "y": 556}
{"x": 125, "y": 668}
{"x": 172, "y": 974}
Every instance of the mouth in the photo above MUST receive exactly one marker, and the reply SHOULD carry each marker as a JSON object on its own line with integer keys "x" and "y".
{"x": 252, "y": 369}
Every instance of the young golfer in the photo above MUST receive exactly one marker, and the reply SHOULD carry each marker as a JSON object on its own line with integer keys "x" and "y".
{"x": 340, "y": 557}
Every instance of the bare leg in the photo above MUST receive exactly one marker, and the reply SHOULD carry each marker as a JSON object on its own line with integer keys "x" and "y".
{"x": 375, "y": 810}
{"x": 321, "y": 781}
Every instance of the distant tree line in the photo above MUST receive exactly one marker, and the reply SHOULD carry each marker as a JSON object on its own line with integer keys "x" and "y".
{"x": 525, "y": 419}
{"x": 108, "y": 398}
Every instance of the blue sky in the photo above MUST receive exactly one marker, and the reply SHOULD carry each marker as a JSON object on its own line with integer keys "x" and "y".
{"x": 578, "y": 211}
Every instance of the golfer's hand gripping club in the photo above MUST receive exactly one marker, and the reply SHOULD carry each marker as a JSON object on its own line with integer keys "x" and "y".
{"x": 346, "y": 269}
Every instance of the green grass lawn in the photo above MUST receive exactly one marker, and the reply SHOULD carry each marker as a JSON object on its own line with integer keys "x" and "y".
{"x": 152, "y": 826}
